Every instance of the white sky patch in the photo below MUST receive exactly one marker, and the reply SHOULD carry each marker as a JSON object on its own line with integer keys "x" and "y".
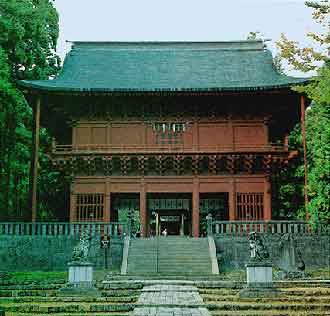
{"x": 184, "y": 20}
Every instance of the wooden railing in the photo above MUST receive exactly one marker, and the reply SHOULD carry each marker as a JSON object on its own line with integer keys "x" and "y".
{"x": 173, "y": 148}
{"x": 270, "y": 227}
{"x": 114, "y": 229}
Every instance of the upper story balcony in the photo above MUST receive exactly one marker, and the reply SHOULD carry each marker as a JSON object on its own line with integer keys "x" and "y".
{"x": 172, "y": 139}
{"x": 125, "y": 159}
{"x": 102, "y": 149}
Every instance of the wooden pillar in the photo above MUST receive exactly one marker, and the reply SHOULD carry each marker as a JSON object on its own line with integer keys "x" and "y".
{"x": 303, "y": 132}
{"x": 232, "y": 200}
{"x": 266, "y": 131}
{"x": 195, "y": 208}
{"x": 231, "y": 132}
{"x": 74, "y": 135}
{"x": 73, "y": 211}
{"x": 33, "y": 181}
{"x": 267, "y": 199}
{"x": 107, "y": 203}
{"x": 195, "y": 136}
{"x": 143, "y": 210}
{"x": 286, "y": 142}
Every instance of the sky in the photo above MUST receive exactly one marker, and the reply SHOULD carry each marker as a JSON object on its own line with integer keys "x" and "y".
{"x": 181, "y": 20}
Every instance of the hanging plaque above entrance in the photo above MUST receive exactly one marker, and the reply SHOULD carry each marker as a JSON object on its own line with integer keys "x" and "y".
{"x": 170, "y": 218}
{"x": 169, "y": 204}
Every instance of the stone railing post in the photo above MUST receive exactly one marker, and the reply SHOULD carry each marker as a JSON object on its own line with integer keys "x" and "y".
{"x": 209, "y": 225}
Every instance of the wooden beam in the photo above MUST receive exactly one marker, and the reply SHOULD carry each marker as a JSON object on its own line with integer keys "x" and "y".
{"x": 267, "y": 199}
{"x": 34, "y": 159}
{"x": 73, "y": 204}
{"x": 195, "y": 208}
{"x": 232, "y": 200}
{"x": 303, "y": 132}
{"x": 107, "y": 202}
{"x": 143, "y": 210}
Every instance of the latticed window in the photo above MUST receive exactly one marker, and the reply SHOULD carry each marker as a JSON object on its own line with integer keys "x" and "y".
{"x": 249, "y": 206}
{"x": 90, "y": 207}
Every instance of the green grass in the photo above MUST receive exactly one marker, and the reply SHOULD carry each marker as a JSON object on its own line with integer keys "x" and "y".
{"x": 99, "y": 275}
{"x": 233, "y": 275}
{"x": 322, "y": 274}
{"x": 51, "y": 276}
{"x": 240, "y": 274}
{"x": 37, "y": 276}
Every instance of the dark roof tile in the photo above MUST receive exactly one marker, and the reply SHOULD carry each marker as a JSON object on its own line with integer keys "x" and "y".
{"x": 167, "y": 66}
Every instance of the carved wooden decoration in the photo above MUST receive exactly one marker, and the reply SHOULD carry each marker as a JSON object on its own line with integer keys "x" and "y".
{"x": 178, "y": 164}
{"x": 107, "y": 165}
{"x": 195, "y": 164}
{"x": 213, "y": 164}
{"x": 142, "y": 163}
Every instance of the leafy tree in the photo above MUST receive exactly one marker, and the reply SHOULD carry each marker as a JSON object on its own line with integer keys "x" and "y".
{"x": 15, "y": 141}
{"x": 315, "y": 57}
{"x": 28, "y": 36}
{"x": 288, "y": 184}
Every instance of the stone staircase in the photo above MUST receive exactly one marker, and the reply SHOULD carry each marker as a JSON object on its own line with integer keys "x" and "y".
{"x": 295, "y": 299}
{"x": 170, "y": 297}
{"x": 169, "y": 256}
{"x": 42, "y": 299}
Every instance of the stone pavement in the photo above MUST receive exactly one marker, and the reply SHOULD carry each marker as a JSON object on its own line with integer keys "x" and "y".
{"x": 170, "y": 300}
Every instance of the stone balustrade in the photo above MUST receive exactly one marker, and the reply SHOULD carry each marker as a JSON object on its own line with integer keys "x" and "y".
{"x": 238, "y": 228}
{"x": 113, "y": 229}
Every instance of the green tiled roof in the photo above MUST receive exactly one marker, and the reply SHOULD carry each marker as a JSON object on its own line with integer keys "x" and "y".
{"x": 167, "y": 66}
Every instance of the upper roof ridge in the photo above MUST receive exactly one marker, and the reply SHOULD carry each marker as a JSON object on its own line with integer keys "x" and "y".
{"x": 160, "y": 45}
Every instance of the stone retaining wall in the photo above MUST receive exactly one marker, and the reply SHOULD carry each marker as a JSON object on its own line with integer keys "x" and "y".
{"x": 51, "y": 253}
{"x": 233, "y": 251}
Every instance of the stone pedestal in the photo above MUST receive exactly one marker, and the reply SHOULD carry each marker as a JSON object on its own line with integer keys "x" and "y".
{"x": 81, "y": 274}
{"x": 80, "y": 280}
{"x": 259, "y": 280}
{"x": 259, "y": 273}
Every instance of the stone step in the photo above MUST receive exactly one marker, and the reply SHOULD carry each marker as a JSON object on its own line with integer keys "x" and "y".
{"x": 31, "y": 287}
{"x": 268, "y": 313}
{"x": 184, "y": 260}
{"x": 218, "y": 283}
{"x": 169, "y": 255}
{"x": 53, "y": 308}
{"x": 292, "y": 299}
{"x": 72, "y": 314}
{"x": 266, "y": 306}
{"x": 164, "y": 268}
{"x": 61, "y": 299}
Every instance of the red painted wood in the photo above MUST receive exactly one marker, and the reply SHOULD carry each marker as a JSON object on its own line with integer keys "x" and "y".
{"x": 143, "y": 211}
{"x": 195, "y": 208}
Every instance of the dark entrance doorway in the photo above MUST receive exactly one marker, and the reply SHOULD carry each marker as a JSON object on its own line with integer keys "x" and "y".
{"x": 170, "y": 212}
{"x": 125, "y": 206}
{"x": 216, "y": 204}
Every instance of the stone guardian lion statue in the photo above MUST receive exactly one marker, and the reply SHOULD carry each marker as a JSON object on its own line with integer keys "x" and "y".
{"x": 81, "y": 250}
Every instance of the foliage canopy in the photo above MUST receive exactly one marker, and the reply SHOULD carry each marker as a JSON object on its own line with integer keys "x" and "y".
{"x": 28, "y": 36}
{"x": 315, "y": 57}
